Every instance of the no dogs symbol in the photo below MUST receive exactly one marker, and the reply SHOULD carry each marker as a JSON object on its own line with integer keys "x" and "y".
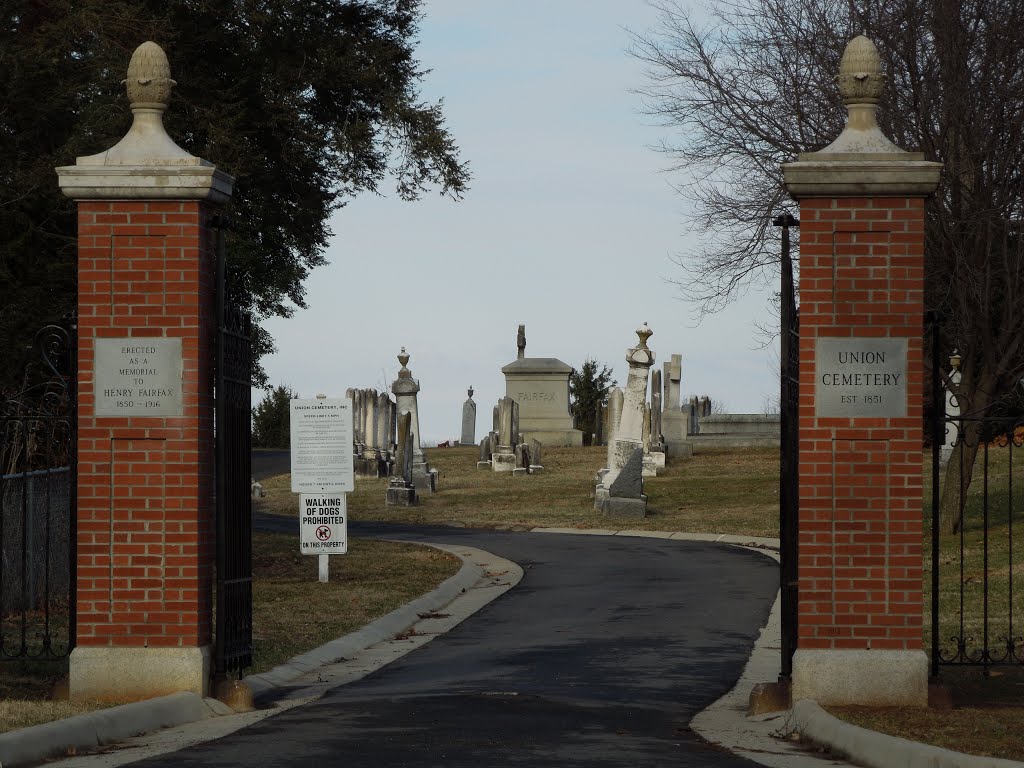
{"x": 323, "y": 533}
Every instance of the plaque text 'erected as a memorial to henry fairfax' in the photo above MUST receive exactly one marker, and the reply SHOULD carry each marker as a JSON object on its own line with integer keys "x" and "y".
{"x": 860, "y": 377}
{"x": 138, "y": 377}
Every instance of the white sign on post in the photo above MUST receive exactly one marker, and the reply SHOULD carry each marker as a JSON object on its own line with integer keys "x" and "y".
{"x": 322, "y": 472}
{"x": 323, "y": 524}
{"x": 321, "y": 437}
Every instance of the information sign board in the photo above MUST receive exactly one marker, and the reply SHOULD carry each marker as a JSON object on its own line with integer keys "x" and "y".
{"x": 323, "y": 524}
{"x": 321, "y": 440}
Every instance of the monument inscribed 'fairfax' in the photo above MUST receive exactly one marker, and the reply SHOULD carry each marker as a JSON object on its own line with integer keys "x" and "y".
{"x": 540, "y": 385}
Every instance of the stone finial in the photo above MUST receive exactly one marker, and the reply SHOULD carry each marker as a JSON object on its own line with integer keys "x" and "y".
{"x": 641, "y": 354}
{"x": 521, "y": 342}
{"x": 861, "y": 80}
{"x": 955, "y": 359}
{"x": 861, "y": 83}
{"x": 470, "y": 392}
{"x": 403, "y": 358}
{"x": 644, "y": 333}
{"x": 149, "y": 78}
{"x": 862, "y": 161}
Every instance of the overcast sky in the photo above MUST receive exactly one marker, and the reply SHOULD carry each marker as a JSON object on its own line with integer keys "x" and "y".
{"x": 569, "y": 227}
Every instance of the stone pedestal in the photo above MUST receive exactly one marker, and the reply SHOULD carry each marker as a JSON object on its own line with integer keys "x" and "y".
{"x": 146, "y": 278}
{"x": 504, "y": 459}
{"x": 861, "y": 366}
{"x": 398, "y": 494}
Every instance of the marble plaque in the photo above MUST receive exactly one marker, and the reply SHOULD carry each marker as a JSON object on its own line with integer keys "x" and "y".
{"x": 137, "y": 377}
{"x": 860, "y": 377}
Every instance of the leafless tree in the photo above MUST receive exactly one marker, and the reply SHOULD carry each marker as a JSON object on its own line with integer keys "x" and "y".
{"x": 747, "y": 84}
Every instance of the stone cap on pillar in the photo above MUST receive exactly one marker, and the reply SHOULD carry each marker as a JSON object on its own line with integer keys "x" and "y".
{"x": 146, "y": 164}
{"x": 862, "y": 161}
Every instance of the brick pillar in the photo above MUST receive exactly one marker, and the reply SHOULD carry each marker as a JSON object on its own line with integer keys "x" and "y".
{"x": 861, "y": 398}
{"x": 146, "y": 303}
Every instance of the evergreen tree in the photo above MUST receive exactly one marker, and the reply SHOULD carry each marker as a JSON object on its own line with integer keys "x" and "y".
{"x": 271, "y": 419}
{"x": 588, "y": 389}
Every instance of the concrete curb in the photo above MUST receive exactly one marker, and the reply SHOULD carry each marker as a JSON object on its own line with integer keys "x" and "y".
{"x": 755, "y": 542}
{"x": 384, "y": 628}
{"x": 878, "y": 750}
{"x": 105, "y": 726}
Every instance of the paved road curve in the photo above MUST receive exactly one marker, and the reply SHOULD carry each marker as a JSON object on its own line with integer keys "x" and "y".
{"x": 600, "y": 657}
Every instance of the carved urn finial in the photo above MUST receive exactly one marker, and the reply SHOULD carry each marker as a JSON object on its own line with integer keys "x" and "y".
{"x": 470, "y": 392}
{"x": 644, "y": 333}
{"x": 149, "y": 80}
{"x": 861, "y": 80}
{"x": 403, "y": 358}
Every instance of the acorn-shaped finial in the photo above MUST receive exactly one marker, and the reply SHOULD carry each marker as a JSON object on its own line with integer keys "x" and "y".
{"x": 149, "y": 78}
{"x": 861, "y": 80}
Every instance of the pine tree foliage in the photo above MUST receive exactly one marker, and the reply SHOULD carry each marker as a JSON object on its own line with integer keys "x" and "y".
{"x": 588, "y": 389}
{"x": 271, "y": 418}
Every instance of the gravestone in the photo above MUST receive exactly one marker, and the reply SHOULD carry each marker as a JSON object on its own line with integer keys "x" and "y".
{"x": 629, "y": 431}
{"x": 625, "y": 496}
{"x": 405, "y": 389}
{"x": 468, "y": 421}
{"x": 614, "y": 411}
{"x": 536, "y": 461}
{"x": 484, "y": 461}
{"x": 401, "y": 491}
{"x": 675, "y": 418}
{"x": 503, "y": 459}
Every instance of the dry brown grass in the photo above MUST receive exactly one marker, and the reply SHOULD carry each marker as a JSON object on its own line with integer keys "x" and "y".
{"x": 718, "y": 492}
{"x": 27, "y": 694}
{"x": 985, "y": 731}
{"x": 293, "y": 612}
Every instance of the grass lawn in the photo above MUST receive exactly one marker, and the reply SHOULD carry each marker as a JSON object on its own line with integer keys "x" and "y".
{"x": 724, "y": 491}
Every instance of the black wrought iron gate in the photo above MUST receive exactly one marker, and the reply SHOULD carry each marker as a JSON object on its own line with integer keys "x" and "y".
{"x": 38, "y": 492}
{"x": 233, "y": 638}
{"x": 789, "y": 451}
{"x": 977, "y": 567}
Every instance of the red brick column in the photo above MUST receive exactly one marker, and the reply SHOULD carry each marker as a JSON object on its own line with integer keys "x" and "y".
{"x": 147, "y": 272}
{"x": 861, "y": 399}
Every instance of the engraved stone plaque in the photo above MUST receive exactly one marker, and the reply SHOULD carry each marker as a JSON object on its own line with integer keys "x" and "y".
{"x": 138, "y": 377}
{"x": 860, "y": 377}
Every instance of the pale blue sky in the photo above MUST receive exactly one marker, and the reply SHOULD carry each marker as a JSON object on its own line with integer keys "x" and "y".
{"x": 569, "y": 227}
